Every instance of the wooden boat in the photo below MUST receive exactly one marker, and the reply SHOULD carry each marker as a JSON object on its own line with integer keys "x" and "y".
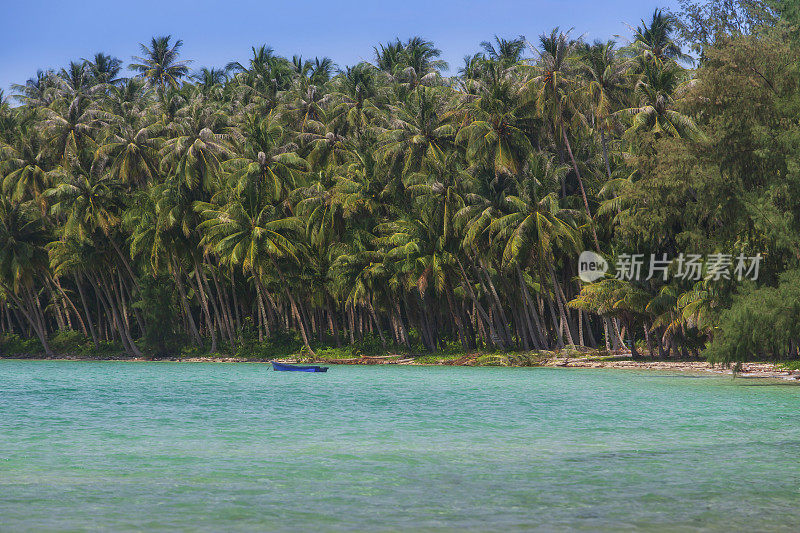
{"x": 283, "y": 367}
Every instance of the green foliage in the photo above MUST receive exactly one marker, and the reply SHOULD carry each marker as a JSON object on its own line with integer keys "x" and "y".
{"x": 762, "y": 323}
{"x": 12, "y": 345}
{"x": 69, "y": 342}
{"x": 158, "y": 304}
{"x": 277, "y": 207}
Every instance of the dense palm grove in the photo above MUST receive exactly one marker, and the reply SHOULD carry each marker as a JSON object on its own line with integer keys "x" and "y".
{"x": 285, "y": 201}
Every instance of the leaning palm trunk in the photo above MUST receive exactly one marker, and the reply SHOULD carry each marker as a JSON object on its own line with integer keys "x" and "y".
{"x": 482, "y": 317}
{"x": 176, "y": 274}
{"x": 295, "y": 312}
{"x": 31, "y": 313}
{"x": 530, "y": 310}
{"x": 116, "y": 304}
{"x": 71, "y": 305}
{"x": 375, "y": 320}
{"x": 604, "y": 144}
{"x": 561, "y": 310}
{"x": 212, "y": 327}
{"x": 583, "y": 191}
{"x": 456, "y": 314}
{"x": 556, "y": 328}
{"x": 490, "y": 290}
{"x": 79, "y": 285}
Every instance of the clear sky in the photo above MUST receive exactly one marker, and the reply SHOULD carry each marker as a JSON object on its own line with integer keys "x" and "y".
{"x": 47, "y": 34}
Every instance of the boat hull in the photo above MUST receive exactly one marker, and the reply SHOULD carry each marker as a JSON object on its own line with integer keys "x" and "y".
{"x": 283, "y": 367}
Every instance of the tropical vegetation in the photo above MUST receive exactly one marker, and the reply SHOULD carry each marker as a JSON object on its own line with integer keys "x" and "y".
{"x": 287, "y": 201}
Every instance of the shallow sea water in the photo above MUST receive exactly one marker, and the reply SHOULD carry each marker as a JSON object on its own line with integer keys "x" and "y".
{"x": 237, "y": 447}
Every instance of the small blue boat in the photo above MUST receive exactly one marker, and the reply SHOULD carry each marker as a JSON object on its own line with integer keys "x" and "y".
{"x": 283, "y": 367}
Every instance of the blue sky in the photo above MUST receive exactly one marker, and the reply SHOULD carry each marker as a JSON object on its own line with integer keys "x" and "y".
{"x": 47, "y": 34}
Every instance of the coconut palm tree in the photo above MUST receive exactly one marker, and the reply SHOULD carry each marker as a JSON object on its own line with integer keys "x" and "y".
{"x": 250, "y": 232}
{"x": 554, "y": 89}
{"x": 25, "y": 164}
{"x": 37, "y": 92}
{"x": 264, "y": 161}
{"x": 494, "y": 135}
{"x": 104, "y": 69}
{"x": 420, "y": 129}
{"x": 655, "y": 105}
{"x": 160, "y": 64}
{"x": 506, "y": 52}
{"x": 605, "y": 82}
{"x": 197, "y": 142}
{"x": 210, "y": 80}
{"x": 130, "y": 151}
{"x": 654, "y": 41}
{"x": 23, "y": 260}
{"x": 357, "y": 97}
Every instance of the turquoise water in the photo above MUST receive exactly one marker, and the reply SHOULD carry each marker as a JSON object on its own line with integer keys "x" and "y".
{"x": 236, "y": 447}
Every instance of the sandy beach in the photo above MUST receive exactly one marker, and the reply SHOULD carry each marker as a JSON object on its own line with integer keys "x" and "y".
{"x": 565, "y": 359}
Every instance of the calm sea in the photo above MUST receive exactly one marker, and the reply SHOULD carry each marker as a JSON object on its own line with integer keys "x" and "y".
{"x": 237, "y": 447}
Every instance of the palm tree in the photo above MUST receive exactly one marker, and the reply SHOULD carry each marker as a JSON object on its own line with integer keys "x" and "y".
{"x": 197, "y": 143}
{"x": 305, "y": 107}
{"x": 655, "y": 102}
{"x": 86, "y": 203}
{"x": 210, "y": 80}
{"x": 420, "y": 57}
{"x": 506, "y": 52}
{"x": 494, "y": 134}
{"x": 533, "y": 233}
{"x": 264, "y": 160}
{"x": 37, "y": 92}
{"x": 265, "y": 76}
{"x": 605, "y": 81}
{"x": 554, "y": 89}
{"x": 473, "y": 70}
{"x": 654, "y": 41}
{"x": 616, "y": 298}
{"x": 420, "y": 129}
{"x": 130, "y": 151}
{"x": 389, "y": 58}
{"x": 104, "y": 68}
{"x": 23, "y": 259}
{"x": 357, "y": 96}
{"x": 249, "y": 232}
{"x": 25, "y": 164}
{"x": 159, "y": 64}
{"x": 321, "y": 70}
{"x": 71, "y": 120}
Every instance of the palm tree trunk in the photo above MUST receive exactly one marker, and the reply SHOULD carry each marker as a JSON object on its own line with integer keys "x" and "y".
{"x": 456, "y": 314}
{"x": 557, "y": 329}
{"x": 604, "y": 143}
{"x": 377, "y": 324}
{"x": 176, "y": 274}
{"x": 583, "y": 191}
{"x": 212, "y": 326}
{"x": 79, "y": 285}
{"x": 482, "y": 316}
{"x": 27, "y": 308}
{"x": 561, "y": 311}
{"x": 492, "y": 292}
{"x": 295, "y": 311}
{"x": 124, "y": 331}
{"x": 538, "y": 333}
{"x": 71, "y": 305}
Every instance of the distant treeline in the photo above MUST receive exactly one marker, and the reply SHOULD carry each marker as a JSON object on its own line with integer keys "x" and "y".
{"x": 287, "y": 200}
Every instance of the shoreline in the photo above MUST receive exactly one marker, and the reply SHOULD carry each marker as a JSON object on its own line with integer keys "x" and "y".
{"x": 620, "y": 361}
